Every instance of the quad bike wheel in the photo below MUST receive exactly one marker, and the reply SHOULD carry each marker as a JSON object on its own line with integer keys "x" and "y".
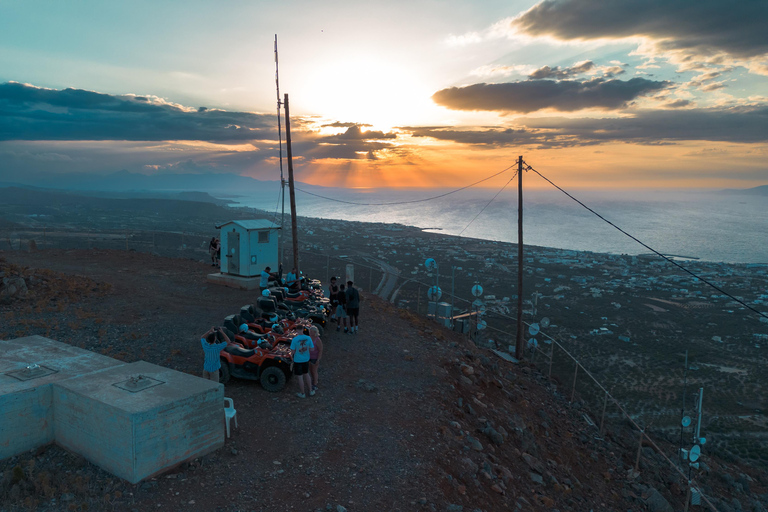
{"x": 272, "y": 379}
{"x": 224, "y": 374}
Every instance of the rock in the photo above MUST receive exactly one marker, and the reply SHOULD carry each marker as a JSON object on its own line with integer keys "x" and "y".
{"x": 466, "y": 380}
{"x": 498, "y": 489}
{"x": 474, "y": 444}
{"x": 234, "y": 451}
{"x": 12, "y": 288}
{"x": 467, "y": 370}
{"x": 454, "y": 508}
{"x": 495, "y": 437}
{"x": 657, "y": 503}
{"x": 67, "y": 497}
{"x": 536, "y": 478}
{"x": 467, "y": 466}
{"x": 534, "y": 463}
{"x": 339, "y": 508}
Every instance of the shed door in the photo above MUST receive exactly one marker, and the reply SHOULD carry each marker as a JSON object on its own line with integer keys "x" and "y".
{"x": 233, "y": 253}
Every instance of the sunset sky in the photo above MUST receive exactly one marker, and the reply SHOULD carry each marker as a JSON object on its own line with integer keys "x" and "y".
{"x": 626, "y": 93}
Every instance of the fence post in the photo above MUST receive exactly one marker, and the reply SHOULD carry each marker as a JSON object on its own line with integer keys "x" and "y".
{"x": 602, "y": 418}
{"x": 418, "y": 303}
{"x": 551, "y": 356}
{"x": 575, "y": 373}
{"x": 639, "y": 449}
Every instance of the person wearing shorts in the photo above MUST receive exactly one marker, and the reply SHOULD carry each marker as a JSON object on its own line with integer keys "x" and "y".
{"x": 341, "y": 310}
{"x": 315, "y": 354}
{"x": 353, "y": 306}
{"x": 300, "y": 347}
{"x": 214, "y": 341}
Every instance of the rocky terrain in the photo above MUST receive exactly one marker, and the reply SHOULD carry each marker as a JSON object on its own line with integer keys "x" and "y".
{"x": 409, "y": 416}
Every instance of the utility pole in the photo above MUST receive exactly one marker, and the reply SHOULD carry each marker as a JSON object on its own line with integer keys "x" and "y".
{"x": 280, "y": 142}
{"x": 294, "y": 230}
{"x": 519, "y": 352}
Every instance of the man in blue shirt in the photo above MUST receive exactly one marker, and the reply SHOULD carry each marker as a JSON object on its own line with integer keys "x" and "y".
{"x": 211, "y": 349}
{"x": 300, "y": 346}
{"x": 266, "y": 276}
{"x": 292, "y": 280}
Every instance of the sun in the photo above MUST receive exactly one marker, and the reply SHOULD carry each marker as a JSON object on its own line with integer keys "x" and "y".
{"x": 364, "y": 90}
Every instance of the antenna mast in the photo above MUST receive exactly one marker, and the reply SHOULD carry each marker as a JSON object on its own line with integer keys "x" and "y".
{"x": 280, "y": 141}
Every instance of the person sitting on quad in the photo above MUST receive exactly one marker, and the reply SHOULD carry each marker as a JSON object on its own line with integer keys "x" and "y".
{"x": 266, "y": 277}
{"x": 211, "y": 349}
{"x": 292, "y": 280}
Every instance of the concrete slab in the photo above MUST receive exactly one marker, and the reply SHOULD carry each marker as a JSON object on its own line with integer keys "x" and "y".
{"x": 241, "y": 283}
{"x": 26, "y": 394}
{"x": 139, "y": 419}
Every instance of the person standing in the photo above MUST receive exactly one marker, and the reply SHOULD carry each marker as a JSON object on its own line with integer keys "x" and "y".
{"x": 341, "y": 310}
{"x": 218, "y": 251}
{"x": 212, "y": 251}
{"x": 315, "y": 354}
{"x": 353, "y": 306}
{"x": 333, "y": 290}
{"x": 300, "y": 347}
{"x": 211, "y": 349}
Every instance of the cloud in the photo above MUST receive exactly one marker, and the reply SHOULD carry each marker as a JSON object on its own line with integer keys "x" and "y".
{"x": 533, "y": 95}
{"x": 562, "y": 73}
{"x": 687, "y": 33}
{"x": 677, "y": 104}
{"x": 355, "y": 133}
{"x": 339, "y": 124}
{"x": 35, "y": 113}
{"x": 704, "y": 26}
{"x": 738, "y": 124}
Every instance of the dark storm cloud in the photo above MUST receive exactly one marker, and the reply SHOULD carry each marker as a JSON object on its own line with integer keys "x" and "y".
{"x": 533, "y": 95}
{"x": 740, "y": 125}
{"x": 33, "y": 113}
{"x": 559, "y": 73}
{"x": 677, "y": 104}
{"x": 703, "y": 26}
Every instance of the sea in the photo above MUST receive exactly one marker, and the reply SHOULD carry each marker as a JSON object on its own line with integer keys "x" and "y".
{"x": 717, "y": 226}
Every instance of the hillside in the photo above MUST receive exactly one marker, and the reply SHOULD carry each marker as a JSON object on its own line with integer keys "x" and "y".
{"x": 409, "y": 416}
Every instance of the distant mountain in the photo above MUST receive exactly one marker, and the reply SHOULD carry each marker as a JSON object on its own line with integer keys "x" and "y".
{"x": 124, "y": 181}
{"x": 762, "y": 190}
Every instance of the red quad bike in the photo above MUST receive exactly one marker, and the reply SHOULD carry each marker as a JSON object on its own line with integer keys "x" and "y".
{"x": 267, "y": 363}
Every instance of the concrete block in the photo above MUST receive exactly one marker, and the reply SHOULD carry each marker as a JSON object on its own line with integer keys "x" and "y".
{"x": 136, "y": 430}
{"x": 26, "y": 396}
{"x": 232, "y": 281}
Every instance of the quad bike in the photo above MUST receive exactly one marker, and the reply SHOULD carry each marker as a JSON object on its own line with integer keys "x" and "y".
{"x": 269, "y": 364}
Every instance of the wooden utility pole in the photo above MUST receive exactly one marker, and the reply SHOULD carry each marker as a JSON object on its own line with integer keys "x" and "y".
{"x": 294, "y": 230}
{"x": 519, "y": 351}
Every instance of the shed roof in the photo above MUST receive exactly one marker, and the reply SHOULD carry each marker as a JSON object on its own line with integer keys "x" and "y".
{"x": 252, "y": 224}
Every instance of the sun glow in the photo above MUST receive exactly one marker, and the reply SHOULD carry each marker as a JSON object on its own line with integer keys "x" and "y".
{"x": 361, "y": 89}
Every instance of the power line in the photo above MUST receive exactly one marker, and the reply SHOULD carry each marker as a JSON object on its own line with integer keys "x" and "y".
{"x": 670, "y": 260}
{"x": 407, "y": 202}
{"x": 488, "y": 204}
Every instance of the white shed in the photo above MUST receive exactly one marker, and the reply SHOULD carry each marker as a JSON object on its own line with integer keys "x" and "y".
{"x": 247, "y": 246}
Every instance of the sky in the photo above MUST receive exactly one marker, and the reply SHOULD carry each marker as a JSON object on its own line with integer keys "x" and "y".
{"x": 593, "y": 94}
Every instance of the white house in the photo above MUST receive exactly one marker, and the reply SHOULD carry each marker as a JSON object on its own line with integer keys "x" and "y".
{"x": 247, "y": 246}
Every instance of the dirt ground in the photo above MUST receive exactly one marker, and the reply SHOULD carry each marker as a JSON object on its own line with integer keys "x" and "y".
{"x": 408, "y": 416}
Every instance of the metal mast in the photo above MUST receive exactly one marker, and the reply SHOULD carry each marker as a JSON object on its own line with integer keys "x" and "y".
{"x": 280, "y": 141}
